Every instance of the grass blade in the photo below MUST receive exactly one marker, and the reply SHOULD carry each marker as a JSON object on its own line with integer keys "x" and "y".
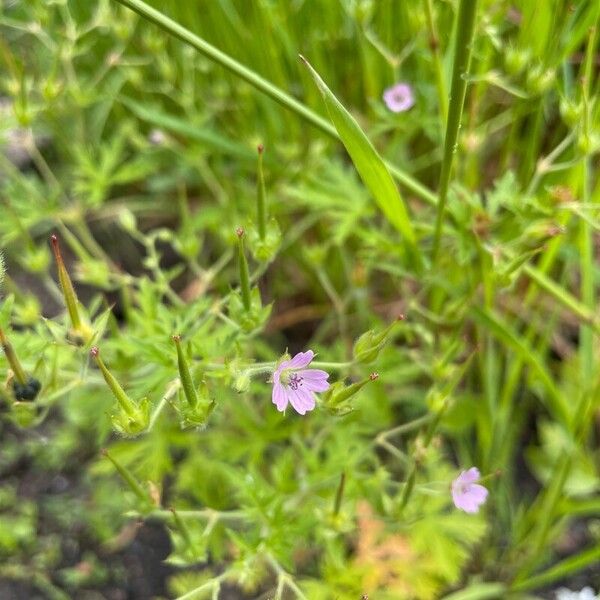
{"x": 370, "y": 166}
{"x": 462, "y": 60}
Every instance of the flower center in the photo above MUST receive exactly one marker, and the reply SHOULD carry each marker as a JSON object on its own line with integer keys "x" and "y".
{"x": 291, "y": 379}
{"x": 295, "y": 381}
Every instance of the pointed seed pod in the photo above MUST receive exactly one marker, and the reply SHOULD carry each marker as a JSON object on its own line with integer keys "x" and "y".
{"x": 184, "y": 374}
{"x": 123, "y": 399}
{"x": 261, "y": 197}
{"x": 243, "y": 271}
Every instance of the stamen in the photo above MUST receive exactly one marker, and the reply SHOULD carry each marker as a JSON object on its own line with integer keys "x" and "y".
{"x": 295, "y": 381}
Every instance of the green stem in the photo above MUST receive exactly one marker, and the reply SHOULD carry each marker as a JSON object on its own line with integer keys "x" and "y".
{"x": 185, "y": 532}
{"x": 261, "y": 84}
{"x": 585, "y": 232}
{"x": 434, "y": 43}
{"x": 462, "y": 58}
{"x": 129, "y": 479}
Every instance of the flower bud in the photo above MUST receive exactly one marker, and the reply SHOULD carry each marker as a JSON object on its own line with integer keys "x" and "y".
{"x": 515, "y": 60}
{"x": 370, "y": 344}
{"x": 571, "y": 113}
{"x": 540, "y": 232}
{"x": 132, "y": 418}
{"x": 127, "y": 220}
{"x": 336, "y": 398}
{"x": 539, "y": 80}
{"x": 588, "y": 143}
{"x": 241, "y": 383}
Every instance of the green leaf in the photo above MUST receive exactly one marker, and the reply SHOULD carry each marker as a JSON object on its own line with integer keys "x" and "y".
{"x": 370, "y": 166}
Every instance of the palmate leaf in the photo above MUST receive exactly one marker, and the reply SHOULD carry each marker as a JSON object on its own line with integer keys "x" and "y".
{"x": 370, "y": 167}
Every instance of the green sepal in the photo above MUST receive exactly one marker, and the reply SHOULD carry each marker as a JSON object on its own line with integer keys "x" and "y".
{"x": 368, "y": 346}
{"x": 253, "y": 319}
{"x": 132, "y": 422}
{"x": 264, "y": 249}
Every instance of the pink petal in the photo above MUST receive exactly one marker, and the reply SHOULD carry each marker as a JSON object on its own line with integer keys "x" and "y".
{"x": 399, "y": 97}
{"x": 280, "y": 399}
{"x": 315, "y": 385}
{"x": 302, "y": 359}
{"x": 478, "y": 493}
{"x": 313, "y": 374}
{"x": 470, "y": 499}
{"x": 301, "y": 400}
{"x": 470, "y": 476}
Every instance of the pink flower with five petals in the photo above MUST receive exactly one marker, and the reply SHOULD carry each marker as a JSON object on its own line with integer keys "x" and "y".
{"x": 466, "y": 494}
{"x": 293, "y": 383}
{"x": 399, "y": 97}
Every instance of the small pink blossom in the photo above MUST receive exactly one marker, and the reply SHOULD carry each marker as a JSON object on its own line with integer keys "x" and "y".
{"x": 466, "y": 494}
{"x": 295, "y": 384}
{"x": 399, "y": 97}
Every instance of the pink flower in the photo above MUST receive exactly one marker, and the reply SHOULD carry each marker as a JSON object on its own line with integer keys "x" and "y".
{"x": 294, "y": 383}
{"x": 399, "y": 97}
{"x": 466, "y": 494}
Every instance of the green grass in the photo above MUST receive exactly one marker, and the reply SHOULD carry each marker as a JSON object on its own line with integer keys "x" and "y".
{"x": 473, "y": 214}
